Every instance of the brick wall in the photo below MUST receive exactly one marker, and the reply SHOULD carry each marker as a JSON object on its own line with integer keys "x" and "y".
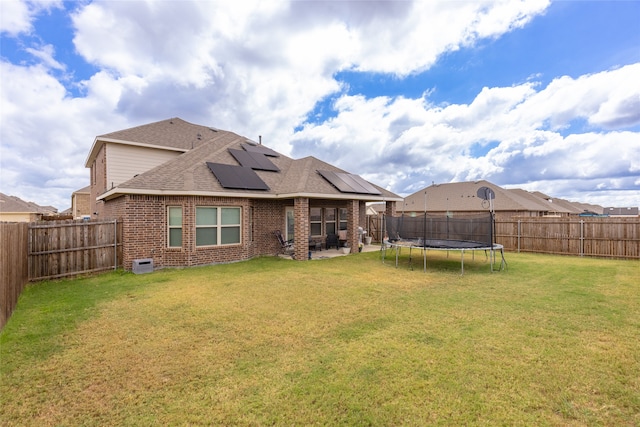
{"x": 98, "y": 184}
{"x": 144, "y": 222}
{"x": 268, "y": 216}
{"x": 81, "y": 204}
{"x": 301, "y": 220}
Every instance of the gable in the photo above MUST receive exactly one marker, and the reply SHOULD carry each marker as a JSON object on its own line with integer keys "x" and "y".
{"x": 126, "y": 161}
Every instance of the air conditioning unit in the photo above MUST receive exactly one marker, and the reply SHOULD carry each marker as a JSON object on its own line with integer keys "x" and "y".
{"x": 144, "y": 265}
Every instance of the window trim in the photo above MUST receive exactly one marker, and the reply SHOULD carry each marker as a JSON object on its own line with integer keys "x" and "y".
{"x": 327, "y": 221}
{"x": 174, "y": 227}
{"x": 316, "y": 222}
{"x": 218, "y": 226}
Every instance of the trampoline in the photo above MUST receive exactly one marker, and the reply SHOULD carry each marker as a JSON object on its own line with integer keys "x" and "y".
{"x": 446, "y": 232}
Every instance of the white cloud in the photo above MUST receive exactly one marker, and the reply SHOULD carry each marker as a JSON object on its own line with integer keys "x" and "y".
{"x": 16, "y": 16}
{"x": 258, "y": 68}
{"x": 46, "y": 135}
{"x": 46, "y": 55}
{"x": 520, "y": 126}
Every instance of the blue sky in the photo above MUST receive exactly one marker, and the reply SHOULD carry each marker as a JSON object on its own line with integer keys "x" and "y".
{"x": 538, "y": 95}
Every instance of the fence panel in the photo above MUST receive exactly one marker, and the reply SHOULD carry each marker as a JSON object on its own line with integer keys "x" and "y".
{"x": 598, "y": 237}
{"x": 14, "y": 273}
{"x": 69, "y": 248}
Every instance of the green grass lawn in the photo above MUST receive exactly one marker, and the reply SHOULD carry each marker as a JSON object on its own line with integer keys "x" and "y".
{"x": 343, "y": 341}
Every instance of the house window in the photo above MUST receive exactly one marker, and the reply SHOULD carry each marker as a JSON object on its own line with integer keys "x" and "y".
{"x": 315, "y": 221}
{"x": 217, "y": 226}
{"x": 175, "y": 226}
{"x": 330, "y": 221}
{"x": 290, "y": 223}
{"x": 343, "y": 218}
{"x": 230, "y": 226}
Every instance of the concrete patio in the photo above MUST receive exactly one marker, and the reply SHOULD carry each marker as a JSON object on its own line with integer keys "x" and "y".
{"x": 331, "y": 253}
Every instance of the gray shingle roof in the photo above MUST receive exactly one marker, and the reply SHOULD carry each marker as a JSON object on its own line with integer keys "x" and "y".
{"x": 189, "y": 173}
{"x": 17, "y": 205}
{"x": 462, "y": 196}
{"x": 171, "y": 133}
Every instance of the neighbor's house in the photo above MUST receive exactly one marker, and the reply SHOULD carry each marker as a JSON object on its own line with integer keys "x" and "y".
{"x": 192, "y": 195}
{"x": 462, "y": 197}
{"x": 81, "y": 203}
{"x": 14, "y": 209}
{"x": 622, "y": 212}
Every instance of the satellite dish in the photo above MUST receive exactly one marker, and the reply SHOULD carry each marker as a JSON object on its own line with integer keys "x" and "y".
{"x": 485, "y": 193}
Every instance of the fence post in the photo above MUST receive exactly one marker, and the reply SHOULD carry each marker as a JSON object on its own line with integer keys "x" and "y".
{"x": 519, "y": 230}
{"x": 115, "y": 244}
{"x": 581, "y": 237}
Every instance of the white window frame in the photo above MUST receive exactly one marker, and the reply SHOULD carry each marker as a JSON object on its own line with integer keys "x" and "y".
{"x": 174, "y": 226}
{"x": 219, "y": 226}
{"x": 327, "y": 221}
{"x": 342, "y": 222}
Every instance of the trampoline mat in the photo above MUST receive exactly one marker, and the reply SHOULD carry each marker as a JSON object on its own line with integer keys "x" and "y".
{"x": 448, "y": 244}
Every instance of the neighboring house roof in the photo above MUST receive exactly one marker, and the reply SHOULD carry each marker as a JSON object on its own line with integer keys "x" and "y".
{"x": 463, "y": 196}
{"x": 376, "y": 208}
{"x": 586, "y": 207}
{"x": 83, "y": 190}
{"x": 188, "y": 173}
{"x": 612, "y": 211}
{"x": 565, "y": 205}
{"x": 16, "y": 205}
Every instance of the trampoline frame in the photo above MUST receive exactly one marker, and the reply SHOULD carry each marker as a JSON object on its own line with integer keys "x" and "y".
{"x": 490, "y": 252}
{"x": 443, "y": 233}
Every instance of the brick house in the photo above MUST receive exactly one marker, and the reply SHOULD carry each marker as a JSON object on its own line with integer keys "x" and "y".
{"x": 81, "y": 203}
{"x": 194, "y": 195}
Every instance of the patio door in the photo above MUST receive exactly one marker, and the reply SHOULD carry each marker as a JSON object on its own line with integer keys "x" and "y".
{"x": 289, "y": 226}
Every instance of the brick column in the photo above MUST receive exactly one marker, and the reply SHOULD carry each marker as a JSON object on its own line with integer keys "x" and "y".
{"x": 301, "y": 226}
{"x": 390, "y": 211}
{"x": 353, "y": 219}
{"x": 390, "y": 208}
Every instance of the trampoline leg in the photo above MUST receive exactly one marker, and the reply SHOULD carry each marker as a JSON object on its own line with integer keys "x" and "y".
{"x": 410, "y": 259}
{"x": 424, "y": 255}
{"x": 397, "y": 252}
{"x": 462, "y": 262}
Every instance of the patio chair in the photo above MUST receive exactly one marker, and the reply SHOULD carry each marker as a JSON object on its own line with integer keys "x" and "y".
{"x": 286, "y": 246}
{"x": 332, "y": 240}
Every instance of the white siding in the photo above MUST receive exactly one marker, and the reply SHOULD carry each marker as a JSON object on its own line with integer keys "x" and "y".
{"x": 126, "y": 161}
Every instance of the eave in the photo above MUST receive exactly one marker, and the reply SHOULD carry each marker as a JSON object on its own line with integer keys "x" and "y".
{"x": 117, "y": 192}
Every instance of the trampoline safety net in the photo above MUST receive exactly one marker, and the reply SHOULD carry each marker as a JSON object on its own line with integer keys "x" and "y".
{"x": 442, "y": 231}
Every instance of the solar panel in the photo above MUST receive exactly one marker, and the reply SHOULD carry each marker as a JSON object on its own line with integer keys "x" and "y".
{"x": 260, "y": 149}
{"x": 349, "y": 183}
{"x": 238, "y": 177}
{"x": 253, "y": 160}
{"x": 366, "y": 184}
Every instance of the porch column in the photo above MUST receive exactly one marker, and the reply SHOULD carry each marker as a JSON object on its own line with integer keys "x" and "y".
{"x": 301, "y": 228}
{"x": 389, "y": 211}
{"x": 390, "y": 208}
{"x": 353, "y": 221}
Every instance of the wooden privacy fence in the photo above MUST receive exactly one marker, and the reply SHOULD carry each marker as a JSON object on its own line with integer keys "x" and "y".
{"x": 597, "y": 237}
{"x": 73, "y": 247}
{"x": 582, "y": 236}
{"x": 14, "y": 273}
{"x": 52, "y": 250}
